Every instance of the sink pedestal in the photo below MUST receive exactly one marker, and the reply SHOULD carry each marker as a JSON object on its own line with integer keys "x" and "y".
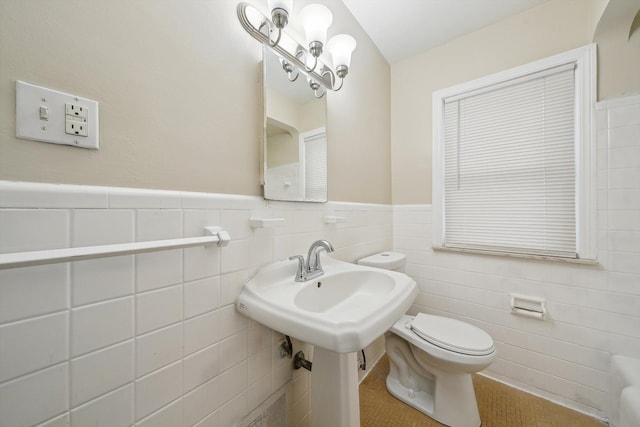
{"x": 340, "y": 312}
{"x": 334, "y": 389}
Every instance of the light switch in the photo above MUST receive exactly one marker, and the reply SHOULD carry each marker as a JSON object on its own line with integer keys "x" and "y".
{"x": 47, "y": 115}
{"x": 44, "y": 113}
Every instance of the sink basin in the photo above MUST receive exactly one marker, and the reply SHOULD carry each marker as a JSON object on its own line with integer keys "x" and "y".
{"x": 343, "y": 310}
{"x": 337, "y": 292}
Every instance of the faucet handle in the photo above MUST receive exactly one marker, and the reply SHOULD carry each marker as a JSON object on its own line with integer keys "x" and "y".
{"x": 301, "y": 268}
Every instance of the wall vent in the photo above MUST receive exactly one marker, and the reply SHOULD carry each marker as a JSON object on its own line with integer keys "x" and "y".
{"x": 272, "y": 412}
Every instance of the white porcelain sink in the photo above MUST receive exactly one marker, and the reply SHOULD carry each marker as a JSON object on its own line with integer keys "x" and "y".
{"x": 343, "y": 310}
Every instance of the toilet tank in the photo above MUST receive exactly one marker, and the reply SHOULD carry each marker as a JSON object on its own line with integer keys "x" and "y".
{"x": 386, "y": 260}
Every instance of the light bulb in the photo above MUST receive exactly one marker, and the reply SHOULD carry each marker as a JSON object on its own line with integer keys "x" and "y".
{"x": 310, "y": 62}
{"x": 316, "y": 19}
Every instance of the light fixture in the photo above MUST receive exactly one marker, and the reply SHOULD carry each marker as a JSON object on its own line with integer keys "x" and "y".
{"x": 340, "y": 47}
{"x": 318, "y": 91}
{"x": 292, "y": 72}
{"x": 280, "y": 10}
{"x": 295, "y": 58}
{"x": 315, "y": 20}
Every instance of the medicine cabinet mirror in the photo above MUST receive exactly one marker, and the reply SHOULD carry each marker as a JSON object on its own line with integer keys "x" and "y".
{"x": 295, "y": 136}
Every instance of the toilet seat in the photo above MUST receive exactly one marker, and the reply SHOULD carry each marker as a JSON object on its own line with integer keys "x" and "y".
{"x": 453, "y": 335}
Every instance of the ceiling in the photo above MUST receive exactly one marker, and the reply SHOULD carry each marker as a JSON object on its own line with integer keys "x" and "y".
{"x": 403, "y": 28}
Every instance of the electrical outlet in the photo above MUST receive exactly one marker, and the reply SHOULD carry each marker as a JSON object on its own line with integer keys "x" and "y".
{"x": 76, "y": 110}
{"x": 76, "y": 119}
{"x": 76, "y": 127}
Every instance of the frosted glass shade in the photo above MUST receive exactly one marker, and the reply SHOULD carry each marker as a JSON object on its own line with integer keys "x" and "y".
{"x": 316, "y": 19}
{"x": 310, "y": 61}
{"x": 280, "y": 4}
{"x": 340, "y": 47}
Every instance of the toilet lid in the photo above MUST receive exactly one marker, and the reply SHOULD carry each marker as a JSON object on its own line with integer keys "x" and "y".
{"x": 452, "y": 334}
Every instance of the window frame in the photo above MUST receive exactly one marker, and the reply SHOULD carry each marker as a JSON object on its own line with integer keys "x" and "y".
{"x": 584, "y": 59}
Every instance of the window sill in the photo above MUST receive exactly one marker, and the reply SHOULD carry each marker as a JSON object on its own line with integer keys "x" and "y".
{"x": 517, "y": 255}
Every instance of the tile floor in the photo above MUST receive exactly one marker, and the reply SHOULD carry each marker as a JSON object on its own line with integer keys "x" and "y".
{"x": 499, "y": 405}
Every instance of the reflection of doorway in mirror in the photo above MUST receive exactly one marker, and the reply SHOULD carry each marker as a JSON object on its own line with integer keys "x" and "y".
{"x": 282, "y": 162}
{"x": 313, "y": 164}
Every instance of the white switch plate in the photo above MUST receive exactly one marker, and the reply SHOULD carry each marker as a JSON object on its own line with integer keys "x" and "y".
{"x": 29, "y": 125}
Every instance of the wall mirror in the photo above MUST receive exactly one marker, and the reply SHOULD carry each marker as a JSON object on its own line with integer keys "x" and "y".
{"x": 295, "y": 136}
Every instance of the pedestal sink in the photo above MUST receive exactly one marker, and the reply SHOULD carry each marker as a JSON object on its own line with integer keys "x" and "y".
{"x": 340, "y": 313}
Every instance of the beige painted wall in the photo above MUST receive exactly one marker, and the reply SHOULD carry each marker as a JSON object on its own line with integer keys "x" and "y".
{"x": 359, "y": 125}
{"x": 551, "y": 28}
{"x": 282, "y": 108}
{"x": 313, "y": 115}
{"x": 618, "y": 50}
{"x": 282, "y": 150}
{"x": 303, "y": 117}
{"x": 179, "y": 92}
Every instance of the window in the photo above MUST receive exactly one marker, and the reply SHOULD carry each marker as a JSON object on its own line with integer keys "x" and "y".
{"x": 514, "y": 160}
{"x": 313, "y": 159}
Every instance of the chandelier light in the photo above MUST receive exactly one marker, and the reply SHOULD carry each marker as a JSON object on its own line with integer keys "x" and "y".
{"x": 295, "y": 58}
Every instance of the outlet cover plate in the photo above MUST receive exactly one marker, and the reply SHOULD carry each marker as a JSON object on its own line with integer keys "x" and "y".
{"x": 29, "y": 124}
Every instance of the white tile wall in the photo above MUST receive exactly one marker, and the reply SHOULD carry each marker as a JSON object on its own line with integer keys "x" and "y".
{"x": 150, "y": 339}
{"x": 594, "y": 310}
{"x": 36, "y": 397}
{"x": 61, "y": 421}
{"x": 33, "y": 229}
{"x": 88, "y": 379}
{"x": 169, "y": 416}
{"x": 199, "y": 402}
{"x": 228, "y": 413}
{"x": 201, "y": 296}
{"x": 101, "y": 325}
{"x": 102, "y": 279}
{"x": 159, "y": 308}
{"x": 113, "y": 409}
{"x": 157, "y": 349}
{"x": 158, "y": 269}
{"x": 33, "y": 344}
{"x": 201, "y": 331}
{"x": 158, "y": 389}
{"x": 34, "y": 291}
{"x": 201, "y": 367}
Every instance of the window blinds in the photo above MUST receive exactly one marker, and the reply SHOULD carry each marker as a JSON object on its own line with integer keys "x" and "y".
{"x": 509, "y": 166}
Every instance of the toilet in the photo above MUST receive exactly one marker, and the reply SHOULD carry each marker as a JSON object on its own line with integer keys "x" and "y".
{"x": 431, "y": 359}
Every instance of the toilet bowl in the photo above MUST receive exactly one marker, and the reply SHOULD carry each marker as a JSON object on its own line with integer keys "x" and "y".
{"x": 431, "y": 359}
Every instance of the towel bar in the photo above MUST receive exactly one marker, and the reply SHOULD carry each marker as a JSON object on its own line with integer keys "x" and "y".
{"x": 52, "y": 256}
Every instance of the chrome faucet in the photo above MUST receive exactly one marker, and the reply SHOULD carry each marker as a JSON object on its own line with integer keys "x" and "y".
{"x": 312, "y": 269}
{"x": 313, "y": 256}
